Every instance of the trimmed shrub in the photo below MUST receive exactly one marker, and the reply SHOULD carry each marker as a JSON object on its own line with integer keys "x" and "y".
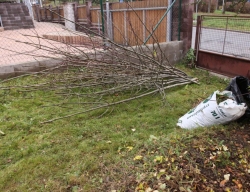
{"x": 203, "y": 6}
{"x": 239, "y": 7}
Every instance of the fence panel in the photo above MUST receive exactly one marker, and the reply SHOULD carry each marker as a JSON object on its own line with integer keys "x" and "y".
{"x": 134, "y": 28}
{"x": 82, "y": 13}
{"x": 140, "y": 4}
{"x": 61, "y": 12}
{"x": 119, "y": 20}
{"x": 133, "y": 22}
{"x": 42, "y": 13}
{"x": 34, "y": 8}
{"x": 55, "y": 14}
{"x": 152, "y": 18}
{"x": 96, "y": 19}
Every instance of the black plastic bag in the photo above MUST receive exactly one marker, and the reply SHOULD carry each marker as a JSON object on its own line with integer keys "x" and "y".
{"x": 239, "y": 86}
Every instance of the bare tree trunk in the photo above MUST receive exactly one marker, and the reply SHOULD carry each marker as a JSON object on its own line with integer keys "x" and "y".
{"x": 224, "y": 7}
{"x": 209, "y": 6}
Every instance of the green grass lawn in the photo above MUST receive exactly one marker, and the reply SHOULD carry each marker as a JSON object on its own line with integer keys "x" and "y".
{"x": 131, "y": 148}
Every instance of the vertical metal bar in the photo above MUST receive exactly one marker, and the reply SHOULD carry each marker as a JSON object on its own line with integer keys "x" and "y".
{"x": 125, "y": 27}
{"x": 41, "y": 3}
{"x": 179, "y": 26}
{"x": 108, "y": 19}
{"x": 98, "y": 20}
{"x": 1, "y": 21}
{"x": 144, "y": 24}
{"x": 197, "y": 37}
{"x": 88, "y": 14}
{"x": 76, "y": 11}
{"x": 111, "y": 29}
{"x": 169, "y": 19}
{"x": 101, "y": 5}
{"x": 225, "y": 38}
{"x": 45, "y": 13}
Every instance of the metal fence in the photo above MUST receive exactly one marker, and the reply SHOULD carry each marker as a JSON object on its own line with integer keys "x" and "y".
{"x": 225, "y": 35}
{"x": 222, "y": 44}
{"x": 125, "y": 23}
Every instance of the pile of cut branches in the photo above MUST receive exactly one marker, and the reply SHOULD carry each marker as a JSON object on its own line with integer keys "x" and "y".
{"x": 94, "y": 77}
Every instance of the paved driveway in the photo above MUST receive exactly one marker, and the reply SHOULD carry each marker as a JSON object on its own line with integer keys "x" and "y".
{"x": 23, "y": 45}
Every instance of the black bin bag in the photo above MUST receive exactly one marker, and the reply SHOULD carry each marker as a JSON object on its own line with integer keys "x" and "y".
{"x": 240, "y": 87}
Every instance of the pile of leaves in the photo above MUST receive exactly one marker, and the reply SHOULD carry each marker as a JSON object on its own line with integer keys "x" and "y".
{"x": 215, "y": 161}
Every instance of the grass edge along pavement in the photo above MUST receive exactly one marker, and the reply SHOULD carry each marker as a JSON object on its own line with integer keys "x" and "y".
{"x": 136, "y": 147}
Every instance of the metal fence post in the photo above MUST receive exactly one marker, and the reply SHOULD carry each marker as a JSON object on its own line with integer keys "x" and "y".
{"x": 225, "y": 37}
{"x": 38, "y": 15}
{"x": 50, "y": 13}
{"x": 197, "y": 37}
{"x": 88, "y": 13}
{"x": 102, "y": 14}
{"x": 45, "y": 13}
{"x": 179, "y": 22}
{"x": 108, "y": 29}
{"x": 76, "y": 11}
{"x": 169, "y": 23}
{"x": 125, "y": 27}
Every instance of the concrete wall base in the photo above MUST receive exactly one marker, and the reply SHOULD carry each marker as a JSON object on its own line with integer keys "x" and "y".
{"x": 172, "y": 51}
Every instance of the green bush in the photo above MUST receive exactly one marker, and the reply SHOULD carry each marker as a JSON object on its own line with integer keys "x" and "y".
{"x": 241, "y": 7}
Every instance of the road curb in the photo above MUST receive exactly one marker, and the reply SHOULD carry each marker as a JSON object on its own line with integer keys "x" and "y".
{"x": 17, "y": 69}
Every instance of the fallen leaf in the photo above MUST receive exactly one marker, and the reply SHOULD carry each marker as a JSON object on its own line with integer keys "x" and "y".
{"x": 224, "y": 148}
{"x": 152, "y": 137}
{"x": 163, "y": 170}
{"x": 2, "y": 133}
{"x": 162, "y": 186}
{"x": 239, "y": 185}
{"x": 227, "y": 189}
{"x": 168, "y": 177}
{"x": 154, "y": 53}
{"x": 160, "y": 174}
{"x": 149, "y": 189}
{"x": 222, "y": 183}
{"x": 213, "y": 166}
{"x": 129, "y": 148}
{"x": 138, "y": 157}
{"x": 202, "y": 149}
{"x": 182, "y": 189}
{"x": 140, "y": 187}
{"x": 158, "y": 159}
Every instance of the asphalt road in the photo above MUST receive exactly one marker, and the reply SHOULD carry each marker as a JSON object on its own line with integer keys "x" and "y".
{"x": 225, "y": 42}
